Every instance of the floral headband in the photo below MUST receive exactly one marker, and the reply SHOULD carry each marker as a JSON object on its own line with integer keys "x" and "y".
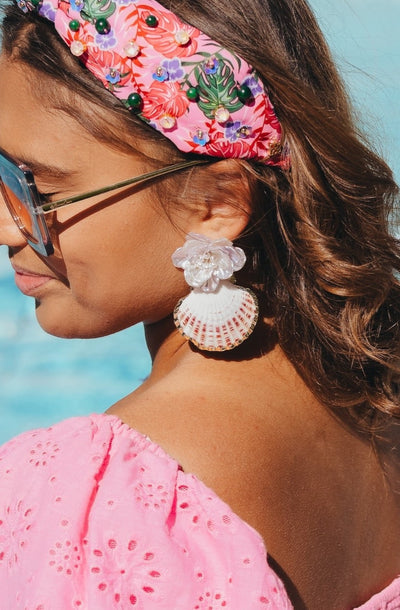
{"x": 204, "y": 98}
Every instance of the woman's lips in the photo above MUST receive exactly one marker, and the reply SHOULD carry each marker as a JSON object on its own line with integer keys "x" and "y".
{"x": 28, "y": 282}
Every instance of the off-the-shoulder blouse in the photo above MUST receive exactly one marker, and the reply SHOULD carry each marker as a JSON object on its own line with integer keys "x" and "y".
{"x": 95, "y": 516}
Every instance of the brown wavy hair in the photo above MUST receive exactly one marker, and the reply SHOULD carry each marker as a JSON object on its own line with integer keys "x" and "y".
{"x": 318, "y": 238}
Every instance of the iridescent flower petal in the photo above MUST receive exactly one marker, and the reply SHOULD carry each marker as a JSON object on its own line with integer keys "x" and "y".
{"x": 207, "y": 261}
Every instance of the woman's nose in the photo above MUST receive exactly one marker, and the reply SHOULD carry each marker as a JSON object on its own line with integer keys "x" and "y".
{"x": 10, "y": 235}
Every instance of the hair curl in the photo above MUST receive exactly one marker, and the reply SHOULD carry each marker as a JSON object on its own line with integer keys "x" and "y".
{"x": 319, "y": 234}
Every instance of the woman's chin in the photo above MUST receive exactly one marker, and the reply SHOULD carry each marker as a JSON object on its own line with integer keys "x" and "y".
{"x": 73, "y": 323}
{"x": 66, "y": 324}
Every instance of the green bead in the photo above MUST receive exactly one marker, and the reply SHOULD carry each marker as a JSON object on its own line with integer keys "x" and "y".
{"x": 244, "y": 93}
{"x": 134, "y": 101}
{"x": 74, "y": 25}
{"x": 152, "y": 21}
{"x": 36, "y": 2}
{"x": 192, "y": 93}
{"x": 102, "y": 26}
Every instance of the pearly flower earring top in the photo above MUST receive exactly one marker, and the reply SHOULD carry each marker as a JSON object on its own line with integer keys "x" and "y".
{"x": 217, "y": 315}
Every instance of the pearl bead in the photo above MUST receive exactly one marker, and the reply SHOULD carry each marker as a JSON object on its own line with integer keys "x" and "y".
{"x": 167, "y": 121}
{"x": 182, "y": 37}
{"x": 221, "y": 114}
{"x": 132, "y": 49}
{"x": 78, "y": 48}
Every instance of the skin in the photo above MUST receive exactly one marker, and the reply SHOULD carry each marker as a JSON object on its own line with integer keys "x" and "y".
{"x": 86, "y": 297}
{"x": 244, "y": 423}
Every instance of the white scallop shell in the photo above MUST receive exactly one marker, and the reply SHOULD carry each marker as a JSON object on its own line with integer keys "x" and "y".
{"x": 219, "y": 320}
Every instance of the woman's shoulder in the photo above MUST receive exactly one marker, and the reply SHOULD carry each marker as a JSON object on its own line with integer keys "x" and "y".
{"x": 78, "y": 443}
{"x": 92, "y": 503}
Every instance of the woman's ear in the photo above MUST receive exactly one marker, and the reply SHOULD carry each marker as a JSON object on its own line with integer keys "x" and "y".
{"x": 220, "y": 195}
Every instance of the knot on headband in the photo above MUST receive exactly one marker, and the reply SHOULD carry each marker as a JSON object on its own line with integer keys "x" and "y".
{"x": 204, "y": 98}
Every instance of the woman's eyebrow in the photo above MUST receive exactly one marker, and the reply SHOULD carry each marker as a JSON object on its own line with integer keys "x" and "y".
{"x": 44, "y": 170}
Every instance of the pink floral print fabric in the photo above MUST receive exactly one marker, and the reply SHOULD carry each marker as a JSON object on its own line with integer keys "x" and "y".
{"x": 94, "y": 516}
{"x": 175, "y": 77}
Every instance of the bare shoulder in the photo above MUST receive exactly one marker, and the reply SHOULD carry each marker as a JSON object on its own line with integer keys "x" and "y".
{"x": 219, "y": 436}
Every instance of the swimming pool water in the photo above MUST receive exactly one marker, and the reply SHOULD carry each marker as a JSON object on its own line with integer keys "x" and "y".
{"x": 44, "y": 379}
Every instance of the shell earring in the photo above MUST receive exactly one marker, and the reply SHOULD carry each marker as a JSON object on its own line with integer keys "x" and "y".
{"x": 216, "y": 315}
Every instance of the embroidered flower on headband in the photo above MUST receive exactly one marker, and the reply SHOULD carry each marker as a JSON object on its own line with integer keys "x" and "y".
{"x": 203, "y": 97}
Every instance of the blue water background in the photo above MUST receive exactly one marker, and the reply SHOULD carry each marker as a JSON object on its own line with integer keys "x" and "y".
{"x": 44, "y": 379}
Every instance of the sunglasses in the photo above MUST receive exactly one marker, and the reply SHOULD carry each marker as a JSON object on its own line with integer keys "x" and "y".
{"x": 26, "y": 206}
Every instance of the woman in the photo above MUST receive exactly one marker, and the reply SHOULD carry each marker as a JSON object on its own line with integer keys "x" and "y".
{"x": 287, "y": 410}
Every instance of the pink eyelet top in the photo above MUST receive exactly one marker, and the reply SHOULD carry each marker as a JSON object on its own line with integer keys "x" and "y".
{"x": 94, "y": 516}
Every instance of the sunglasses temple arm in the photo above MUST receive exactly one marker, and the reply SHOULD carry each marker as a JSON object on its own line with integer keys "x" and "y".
{"x": 54, "y": 205}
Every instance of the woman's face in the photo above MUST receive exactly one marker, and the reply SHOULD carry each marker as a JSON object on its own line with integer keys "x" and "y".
{"x": 112, "y": 263}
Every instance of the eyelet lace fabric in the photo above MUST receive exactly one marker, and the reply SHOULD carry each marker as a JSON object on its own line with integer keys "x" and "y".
{"x": 94, "y": 516}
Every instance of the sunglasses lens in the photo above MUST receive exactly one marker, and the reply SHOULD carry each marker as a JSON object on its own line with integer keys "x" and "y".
{"x": 16, "y": 195}
{"x": 19, "y": 211}
{"x": 20, "y": 199}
